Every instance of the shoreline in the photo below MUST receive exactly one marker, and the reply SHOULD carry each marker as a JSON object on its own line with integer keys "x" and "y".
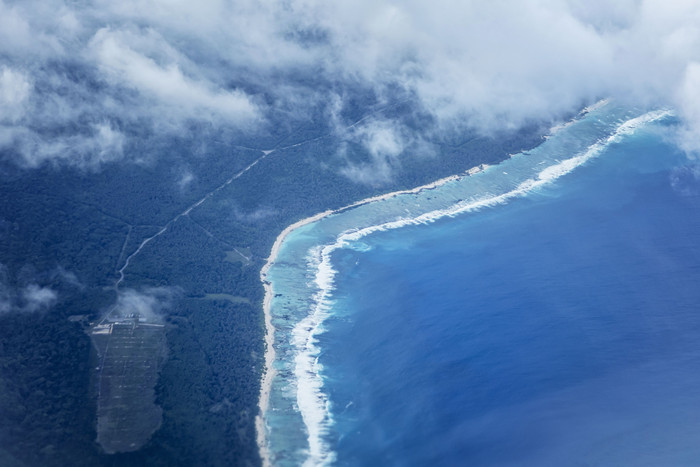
{"x": 269, "y": 371}
{"x": 545, "y": 176}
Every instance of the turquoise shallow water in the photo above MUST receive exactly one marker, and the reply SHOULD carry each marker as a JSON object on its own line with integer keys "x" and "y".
{"x": 558, "y": 326}
{"x": 560, "y": 329}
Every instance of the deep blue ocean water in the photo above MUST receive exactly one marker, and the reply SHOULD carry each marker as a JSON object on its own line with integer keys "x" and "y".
{"x": 540, "y": 312}
{"x": 561, "y": 328}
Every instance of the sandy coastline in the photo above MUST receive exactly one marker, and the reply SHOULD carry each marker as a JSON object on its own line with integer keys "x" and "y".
{"x": 551, "y": 173}
{"x": 269, "y": 371}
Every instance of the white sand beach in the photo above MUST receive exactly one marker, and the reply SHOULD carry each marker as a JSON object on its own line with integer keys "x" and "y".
{"x": 269, "y": 371}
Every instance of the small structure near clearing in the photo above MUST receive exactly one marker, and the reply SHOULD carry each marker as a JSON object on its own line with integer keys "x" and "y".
{"x": 131, "y": 352}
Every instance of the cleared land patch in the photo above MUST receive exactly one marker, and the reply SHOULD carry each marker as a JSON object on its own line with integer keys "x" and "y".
{"x": 130, "y": 354}
{"x": 239, "y": 255}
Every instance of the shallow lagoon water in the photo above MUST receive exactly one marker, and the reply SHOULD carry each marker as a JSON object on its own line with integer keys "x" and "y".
{"x": 555, "y": 326}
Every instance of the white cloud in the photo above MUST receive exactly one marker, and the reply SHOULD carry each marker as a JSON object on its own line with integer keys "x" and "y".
{"x": 685, "y": 180}
{"x": 15, "y": 31}
{"x": 496, "y": 65}
{"x": 102, "y": 143}
{"x": 487, "y": 65}
{"x": 15, "y": 89}
{"x": 108, "y": 141}
{"x": 29, "y": 298}
{"x": 253, "y": 216}
{"x": 166, "y": 84}
{"x": 186, "y": 178}
{"x": 36, "y": 298}
{"x": 246, "y": 34}
{"x": 67, "y": 277}
{"x": 688, "y": 99}
{"x": 149, "y": 302}
{"x": 384, "y": 141}
{"x": 6, "y": 299}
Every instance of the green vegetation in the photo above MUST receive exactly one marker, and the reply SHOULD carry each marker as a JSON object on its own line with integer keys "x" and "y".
{"x": 228, "y": 297}
{"x": 88, "y": 223}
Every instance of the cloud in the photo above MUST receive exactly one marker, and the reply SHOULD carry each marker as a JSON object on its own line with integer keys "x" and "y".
{"x": 19, "y": 37}
{"x": 247, "y": 35}
{"x": 36, "y": 298}
{"x": 149, "y": 302}
{"x": 253, "y": 216}
{"x": 6, "y": 298}
{"x": 490, "y": 65}
{"x": 77, "y": 86}
{"x": 688, "y": 98}
{"x": 186, "y": 178}
{"x": 66, "y": 277}
{"x": 500, "y": 65}
{"x": 95, "y": 145}
{"x": 15, "y": 89}
{"x": 81, "y": 81}
{"x": 166, "y": 84}
{"x": 685, "y": 180}
{"x": 29, "y": 298}
{"x": 384, "y": 141}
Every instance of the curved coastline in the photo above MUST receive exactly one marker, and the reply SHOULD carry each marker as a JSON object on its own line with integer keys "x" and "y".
{"x": 269, "y": 370}
{"x": 307, "y": 328}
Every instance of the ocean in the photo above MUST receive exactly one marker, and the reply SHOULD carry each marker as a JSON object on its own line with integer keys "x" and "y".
{"x": 543, "y": 311}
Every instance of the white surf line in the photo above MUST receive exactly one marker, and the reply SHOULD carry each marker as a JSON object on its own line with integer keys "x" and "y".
{"x": 585, "y": 111}
{"x": 595, "y": 106}
{"x": 269, "y": 371}
{"x": 312, "y": 402}
{"x": 266, "y": 152}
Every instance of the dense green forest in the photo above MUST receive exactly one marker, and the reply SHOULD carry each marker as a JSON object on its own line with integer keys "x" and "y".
{"x": 71, "y": 230}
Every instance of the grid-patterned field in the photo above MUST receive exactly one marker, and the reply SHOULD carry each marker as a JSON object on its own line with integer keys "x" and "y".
{"x": 130, "y": 356}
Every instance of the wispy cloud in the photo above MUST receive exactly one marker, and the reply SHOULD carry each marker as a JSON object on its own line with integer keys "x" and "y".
{"x": 35, "y": 298}
{"x": 166, "y": 84}
{"x": 253, "y": 216}
{"x": 384, "y": 141}
{"x": 28, "y": 298}
{"x": 148, "y": 302}
{"x": 77, "y": 78}
{"x": 78, "y": 83}
{"x": 185, "y": 179}
{"x": 499, "y": 65}
{"x": 688, "y": 98}
{"x": 15, "y": 88}
{"x": 685, "y": 180}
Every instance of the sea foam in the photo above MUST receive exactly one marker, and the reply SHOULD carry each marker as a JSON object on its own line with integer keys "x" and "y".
{"x": 307, "y": 387}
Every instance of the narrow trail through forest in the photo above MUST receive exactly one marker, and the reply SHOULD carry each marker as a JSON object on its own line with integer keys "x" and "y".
{"x": 196, "y": 204}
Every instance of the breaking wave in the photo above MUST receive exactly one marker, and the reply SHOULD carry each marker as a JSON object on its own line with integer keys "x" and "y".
{"x": 311, "y": 401}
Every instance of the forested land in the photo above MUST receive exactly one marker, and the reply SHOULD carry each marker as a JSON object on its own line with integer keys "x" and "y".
{"x": 71, "y": 230}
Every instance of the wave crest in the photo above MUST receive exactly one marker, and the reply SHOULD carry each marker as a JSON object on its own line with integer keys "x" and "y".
{"x": 312, "y": 402}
